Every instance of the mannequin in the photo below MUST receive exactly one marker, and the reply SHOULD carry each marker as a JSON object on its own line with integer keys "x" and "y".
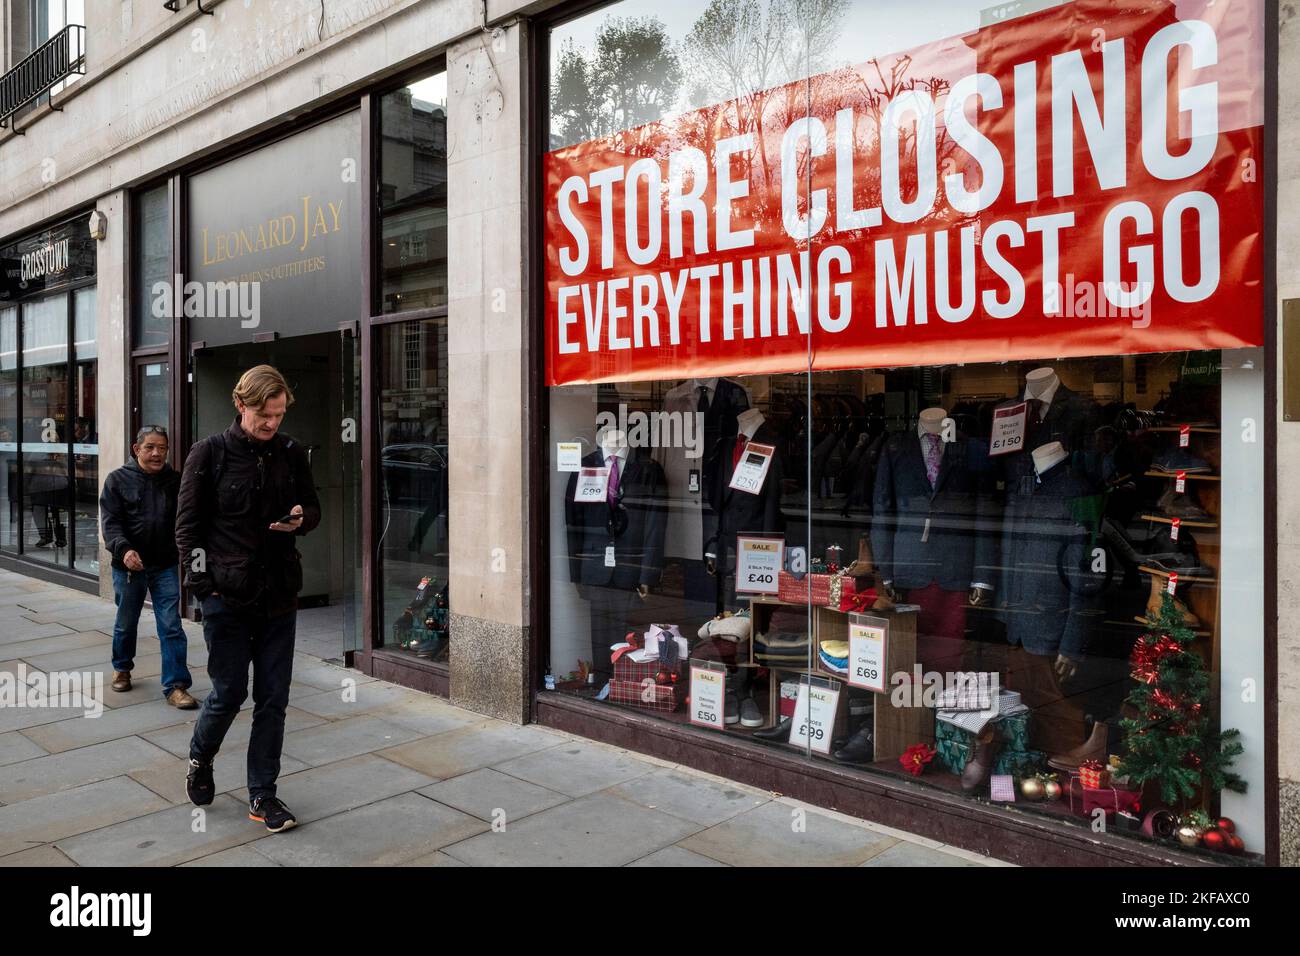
{"x": 690, "y": 472}
{"x": 616, "y": 545}
{"x": 1054, "y": 413}
{"x": 1046, "y": 643}
{"x": 931, "y": 531}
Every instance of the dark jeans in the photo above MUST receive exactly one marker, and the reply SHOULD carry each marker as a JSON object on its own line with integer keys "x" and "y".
{"x": 164, "y": 588}
{"x": 235, "y": 639}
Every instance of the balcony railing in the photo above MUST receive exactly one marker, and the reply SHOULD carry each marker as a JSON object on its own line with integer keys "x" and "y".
{"x": 61, "y": 56}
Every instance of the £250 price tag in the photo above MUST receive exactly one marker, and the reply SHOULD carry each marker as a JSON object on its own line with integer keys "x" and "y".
{"x": 751, "y": 471}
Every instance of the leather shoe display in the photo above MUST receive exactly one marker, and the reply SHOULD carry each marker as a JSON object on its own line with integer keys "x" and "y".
{"x": 777, "y": 734}
{"x": 860, "y": 748}
{"x": 1094, "y": 748}
{"x": 121, "y": 681}
{"x": 980, "y": 765}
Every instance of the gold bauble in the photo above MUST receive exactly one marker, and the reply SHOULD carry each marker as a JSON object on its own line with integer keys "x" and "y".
{"x": 1189, "y": 836}
{"x": 1051, "y": 790}
{"x": 1031, "y": 788}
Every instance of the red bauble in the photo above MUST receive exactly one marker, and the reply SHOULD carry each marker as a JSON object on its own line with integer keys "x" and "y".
{"x": 1223, "y": 823}
{"x": 1214, "y": 840}
{"x": 1236, "y": 844}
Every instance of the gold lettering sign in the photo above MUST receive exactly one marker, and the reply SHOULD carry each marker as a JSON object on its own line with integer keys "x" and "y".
{"x": 304, "y": 226}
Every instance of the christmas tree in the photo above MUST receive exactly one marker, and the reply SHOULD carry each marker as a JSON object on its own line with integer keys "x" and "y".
{"x": 1172, "y": 740}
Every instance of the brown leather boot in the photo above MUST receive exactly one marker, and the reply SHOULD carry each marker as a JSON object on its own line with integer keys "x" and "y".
{"x": 1094, "y": 748}
{"x": 180, "y": 699}
{"x": 121, "y": 681}
{"x": 1158, "y": 583}
{"x": 980, "y": 765}
{"x": 865, "y": 567}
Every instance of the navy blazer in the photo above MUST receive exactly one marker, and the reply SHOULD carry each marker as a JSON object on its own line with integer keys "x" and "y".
{"x": 639, "y": 547}
{"x": 738, "y": 512}
{"x": 960, "y": 545}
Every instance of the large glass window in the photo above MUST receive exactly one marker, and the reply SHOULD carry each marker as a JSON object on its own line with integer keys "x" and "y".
{"x": 85, "y": 434}
{"x": 46, "y": 422}
{"x": 152, "y": 322}
{"x": 854, "y": 455}
{"x": 11, "y": 515}
{"x": 412, "y": 379}
{"x": 413, "y": 195}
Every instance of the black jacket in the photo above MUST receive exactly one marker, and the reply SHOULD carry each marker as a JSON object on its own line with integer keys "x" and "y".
{"x": 637, "y": 535}
{"x": 739, "y": 512}
{"x": 243, "y": 559}
{"x": 137, "y": 511}
{"x": 961, "y": 542}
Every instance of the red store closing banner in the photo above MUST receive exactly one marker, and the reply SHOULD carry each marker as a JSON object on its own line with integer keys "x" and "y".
{"x": 1079, "y": 181}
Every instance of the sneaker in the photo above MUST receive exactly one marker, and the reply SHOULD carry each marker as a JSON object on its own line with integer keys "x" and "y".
{"x": 198, "y": 783}
{"x": 732, "y": 715}
{"x": 180, "y": 698}
{"x": 273, "y": 813}
{"x": 749, "y": 713}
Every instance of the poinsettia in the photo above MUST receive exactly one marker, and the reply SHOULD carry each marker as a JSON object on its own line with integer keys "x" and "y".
{"x": 916, "y": 758}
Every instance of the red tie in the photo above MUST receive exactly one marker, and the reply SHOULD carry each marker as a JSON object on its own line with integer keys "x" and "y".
{"x": 741, "y": 443}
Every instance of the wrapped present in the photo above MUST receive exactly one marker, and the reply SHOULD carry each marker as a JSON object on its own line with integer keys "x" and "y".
{"x": 794, "y": 590}
{"x": 634, "y": 672}
{"x": 1085, "y": 800}
{"x": 646, "y": 693}
{"x": 1094, "y": 775}
{"x": 1014, "y": 756}
{"x": 842, "y": 589}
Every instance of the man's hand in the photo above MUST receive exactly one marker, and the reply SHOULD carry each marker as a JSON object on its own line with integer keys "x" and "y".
{"x": 293, "y": 525}
{"x": 132, "y": 561}
{"x": 1065, "y": 667}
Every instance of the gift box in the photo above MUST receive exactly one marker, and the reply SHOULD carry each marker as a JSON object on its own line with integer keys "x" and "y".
{"x": 1014, "y": 756}
{"x": 626, "y": 669}
{"x": 828, "y": 590}
{"x": 1085, "y": 800}
{"x": 647, "y": 694}
{"x": 1094, "y": 775}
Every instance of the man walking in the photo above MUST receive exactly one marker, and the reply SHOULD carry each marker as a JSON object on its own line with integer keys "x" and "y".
{"x": 137, "y": 509}
{"x": 244, "y": 494}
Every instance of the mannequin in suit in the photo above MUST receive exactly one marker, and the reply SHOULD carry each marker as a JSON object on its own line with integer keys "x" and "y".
{"x": 1055, "y": 413}
{"x": 691, "y": 520}
{"x": 933, "y": 530}
{"x": 631, "y": 522}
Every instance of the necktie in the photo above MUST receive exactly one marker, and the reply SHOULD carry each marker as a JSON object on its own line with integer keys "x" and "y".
{"x": 933, "y": 454}
{"x": 1036, "y": 410}
{"x": 741, "y": 443}
{"x": 611, "y": 491}
{"x": 703, "y": 404}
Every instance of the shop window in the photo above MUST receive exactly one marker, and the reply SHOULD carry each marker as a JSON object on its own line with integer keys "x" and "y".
{"x": 153, "y": 264}
{"x": 413, "y": 549}
{"x": 11, "y": 507}
{"x": 413, "y": 195}
{"x": 831, "y": 474}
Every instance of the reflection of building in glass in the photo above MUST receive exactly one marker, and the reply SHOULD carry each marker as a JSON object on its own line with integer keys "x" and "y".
{"x": 413, "y": 201}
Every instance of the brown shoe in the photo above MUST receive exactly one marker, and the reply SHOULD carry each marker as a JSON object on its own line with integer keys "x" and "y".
{"x": 121, "y": 681}
{"x": 1094, "y": 748}
{"x": 980, "y": 765}
{"x": 180, "y": 698}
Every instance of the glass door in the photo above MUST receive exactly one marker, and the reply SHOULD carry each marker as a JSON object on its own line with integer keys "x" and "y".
{"x": 350, "y": 482}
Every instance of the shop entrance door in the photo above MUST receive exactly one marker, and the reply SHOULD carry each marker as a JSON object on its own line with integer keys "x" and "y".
{"x": 322, "y": 370}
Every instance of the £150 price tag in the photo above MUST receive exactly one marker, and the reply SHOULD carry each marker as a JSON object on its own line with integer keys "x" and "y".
{"x": 593, "y": 485}
{"x": 751, "y": 471}
{"x": 708, "y": 697}
{"x": 814, "y": 717}
{"x": 867, "y": 644}
{"x": 758, "y": 562}
{"x": 1008, "y": 429}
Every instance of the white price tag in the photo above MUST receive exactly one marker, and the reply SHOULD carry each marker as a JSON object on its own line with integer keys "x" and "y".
{"x": 593, "y": 483}
{"x": 1008, "y": 429}
{"x": 609, "y": 556}
{"x": 867, "y": 647}
{"x": 708, "y": 696}
{"x": 814, "y": 717}
{"x": 758, "y": 561}
{"x": 568, "y": 456}
{"x": 1174, "y": 525}
{"x": 1180, "y": 482}
{"x": 751, "y": 472}
{"x": 1172, "y": 584}
{"x": 1184, "y": 435}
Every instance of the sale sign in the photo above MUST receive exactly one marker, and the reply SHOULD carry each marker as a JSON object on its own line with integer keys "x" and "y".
{"x": 1078, "y": 181}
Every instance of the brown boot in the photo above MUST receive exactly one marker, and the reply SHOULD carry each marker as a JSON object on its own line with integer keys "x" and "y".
{"x": 1158, "y": 583}
{"x": 121, "y": 681}
{"x": 980, "y": 765}
{"x": 1094, "y": 748}
{"x": 180, "y": 699}
{"x": 865, "y": 568}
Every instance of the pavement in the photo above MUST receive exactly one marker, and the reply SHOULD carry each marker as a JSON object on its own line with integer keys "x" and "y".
{"x": 377, "y": 774}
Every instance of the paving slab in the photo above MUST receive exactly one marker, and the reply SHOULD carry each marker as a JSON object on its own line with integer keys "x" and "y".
{"x": 317, "y": 673}
{"x": 240, "y": 856}
{"x": 44, "y": 856}
{"x": 119, "y": 722}
{"x": 384, "y": 833}
{"x": 470, "y": 747}
{"x": 75, "y": 768}
{"x": 698, "y": 799}
{"x": 19, "y": 630}
{"x": 434, "y": 859}
{"x": 576, "y": 768}
{"x": 51, "y": 818}
{"x": 166, "y": 837}
{"x": 369, "y": 698}
{"x": 675, "y": 856}
{"x": 176, "y": 740}
{"x": 779, "y": 835}
{"x": 318, "y": 792}
{"x": 913, "y": 854}
{"x": 229, "y": 773}
{"x": 15, "y": 747}
{"x": 596, "y": 830}
{"x": 50, "y": 645}
{"x": 340, "y": 739}
{"x": 487, "y": 794}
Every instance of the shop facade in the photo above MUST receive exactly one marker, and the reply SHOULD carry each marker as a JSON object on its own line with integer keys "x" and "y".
{"x": 721, "y": 384}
